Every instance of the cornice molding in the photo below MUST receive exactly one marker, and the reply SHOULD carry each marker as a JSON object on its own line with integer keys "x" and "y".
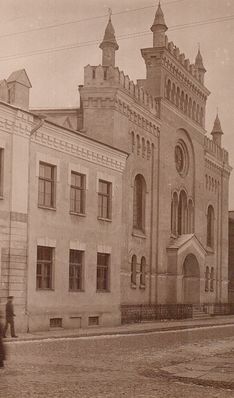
{"x": 20, "y": 123}
{"x": 81, "y": 147}
{"x": 211, "y": 161}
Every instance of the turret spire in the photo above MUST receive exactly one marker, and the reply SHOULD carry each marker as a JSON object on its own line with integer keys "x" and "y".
{"x": 109, "y": 44}
{"x": 217, "y": 131}
{"x": 199, "y": 65}
{"x": 159, "y": 28}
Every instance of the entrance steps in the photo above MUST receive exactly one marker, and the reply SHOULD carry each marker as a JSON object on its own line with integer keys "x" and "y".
{"x": 199, "y": 313}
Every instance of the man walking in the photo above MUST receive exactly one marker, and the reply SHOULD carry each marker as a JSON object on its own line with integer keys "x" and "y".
{"x": 9, "y": 317}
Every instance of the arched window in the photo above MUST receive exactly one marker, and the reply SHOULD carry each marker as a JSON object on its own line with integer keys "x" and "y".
{"x": 197, "y": 114}
{"x": 143, "y": 147}
{"x": 174, "y": 213}
{"x": 133, "y": 141}
{"x": 190, "y": 216}
{"x": 133, "y": 269}
{"x": 168, "y": 92}
{"x": 182, "y": 101}
{"x": 194, "y": 111}
{"x": 201, "y": 116}
{"x": 139, "y": 202}
{"x": 186, "y": 104}
{"x": 173, "y": 93}
{"x": 212, "y": 279}
{"x": 210, "y": 227}
{"x": 207, "y": 278}
{"x": 138, "y": 145}
{"x": 178, "y": 97}
{"x": 190, "y": 108}
{"x": 142, "y": 271}
{"x": 182, "y": 213}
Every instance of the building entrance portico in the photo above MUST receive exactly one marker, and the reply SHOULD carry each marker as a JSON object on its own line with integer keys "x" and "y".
{"x": 191, "y": 280}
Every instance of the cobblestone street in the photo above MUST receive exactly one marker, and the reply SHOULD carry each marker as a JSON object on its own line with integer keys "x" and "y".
{"x": 112, "y": 366}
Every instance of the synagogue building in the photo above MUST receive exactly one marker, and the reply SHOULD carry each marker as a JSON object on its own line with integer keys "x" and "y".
{"x": 123, "y": 201}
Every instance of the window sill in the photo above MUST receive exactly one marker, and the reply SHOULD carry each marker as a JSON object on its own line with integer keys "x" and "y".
{"x": 76, "y": 291}
{"x": 133, "y": 285}
{"x": 139, "y": 234}
{"x": 102, "y": 291}
{"x": 47, "y": 208}
{"x": 142, "y": 287}
{"x": 44, "y": 290}
{"x": 104, "y": 219}
{"x": 73, "y": 213}
{"x": 1, "y": 197}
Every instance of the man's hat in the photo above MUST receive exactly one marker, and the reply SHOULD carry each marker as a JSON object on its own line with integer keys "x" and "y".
{"x": 10, "y": 297}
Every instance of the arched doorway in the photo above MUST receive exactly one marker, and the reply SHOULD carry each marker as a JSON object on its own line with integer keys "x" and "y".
{"x": 191, "y": 280}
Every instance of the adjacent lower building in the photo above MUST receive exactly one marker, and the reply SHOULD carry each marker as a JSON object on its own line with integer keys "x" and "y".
{"x": 123, "y": 201}
{"x": 61, "y": 230}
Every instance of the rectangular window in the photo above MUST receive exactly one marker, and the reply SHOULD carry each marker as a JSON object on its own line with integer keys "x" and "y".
{"x": 77, "y": 198}
{"x": 44, "y": 267}
{"x": 93, "y": 320}
{"x": 75, "y": 270}
{"x": 104, "y": 199}
{"x": 56, "y": 322}
{"x": 1, "y": 171}
{"x": 103, "y": 271}
{"x": 46, "y": 190}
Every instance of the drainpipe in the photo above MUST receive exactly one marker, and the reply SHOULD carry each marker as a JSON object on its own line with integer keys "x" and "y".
{"x": 32, "y": 132}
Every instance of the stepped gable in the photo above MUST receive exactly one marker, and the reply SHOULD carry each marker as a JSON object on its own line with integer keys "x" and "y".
{"x": 101, "y": 76}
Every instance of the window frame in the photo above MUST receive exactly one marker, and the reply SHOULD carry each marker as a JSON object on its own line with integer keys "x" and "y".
{"x": 52, "y": 182}
{"x": 43, "y": 263}
{"x": 80, "y": 267}
{"x": 133, "y": 270}
{"x": 103, "y": 282}
{"x": 108, "y": 196}
{"x": 82, "y": 190}
{"x": 210, "y": 233}
{"x": 139, "y": 203}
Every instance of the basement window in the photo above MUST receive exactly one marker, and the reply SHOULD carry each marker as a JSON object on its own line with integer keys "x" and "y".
{"x": 56, "y": 322}
{"x": 93, "y": 320}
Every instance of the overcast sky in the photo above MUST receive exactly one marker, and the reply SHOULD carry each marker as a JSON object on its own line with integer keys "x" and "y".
{"x": 55, "y": 75}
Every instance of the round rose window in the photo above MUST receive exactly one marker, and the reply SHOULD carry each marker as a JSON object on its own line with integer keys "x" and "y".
{"x": 181, "y": 158}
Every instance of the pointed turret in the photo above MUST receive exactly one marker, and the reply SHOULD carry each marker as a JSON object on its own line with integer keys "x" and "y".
{"x": 200, "y": 67}
{"x": 109, "y": 45}
{"x": 217, "y": 131}
{"x": 159, "y": 28}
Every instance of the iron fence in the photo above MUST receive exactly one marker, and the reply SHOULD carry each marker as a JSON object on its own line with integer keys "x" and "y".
{"x": 150, "y": 312}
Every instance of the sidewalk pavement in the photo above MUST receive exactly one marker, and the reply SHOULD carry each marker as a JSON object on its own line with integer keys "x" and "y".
{"x": 133, "y": 328}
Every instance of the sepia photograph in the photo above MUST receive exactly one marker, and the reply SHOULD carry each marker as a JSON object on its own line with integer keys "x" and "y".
{"x": 116, "y": 199}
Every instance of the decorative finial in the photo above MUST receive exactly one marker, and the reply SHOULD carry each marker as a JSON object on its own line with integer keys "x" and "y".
{"x": 110, "y": 13}
{"x": 198, "y": 44}
{"x": 217, "y": 109}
